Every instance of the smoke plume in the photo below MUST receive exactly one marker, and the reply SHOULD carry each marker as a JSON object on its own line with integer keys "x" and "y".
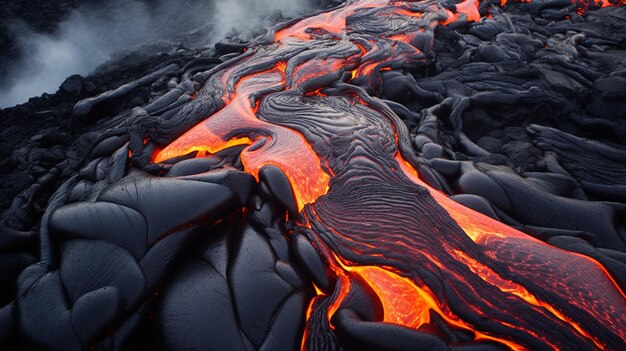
{"x": 90, "y": 34}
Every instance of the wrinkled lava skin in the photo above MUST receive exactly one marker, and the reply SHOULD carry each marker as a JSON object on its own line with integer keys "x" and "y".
{"x": 284, "y": 208}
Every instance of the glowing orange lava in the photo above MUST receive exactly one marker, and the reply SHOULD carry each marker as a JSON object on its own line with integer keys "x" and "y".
{"x": 404, "y": 302}
{"x": 279, "y": 146}
{"x": 584, "y": 271}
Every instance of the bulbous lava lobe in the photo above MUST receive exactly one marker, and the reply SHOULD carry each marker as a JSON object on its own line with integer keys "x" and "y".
{"x": 366, "y": 209}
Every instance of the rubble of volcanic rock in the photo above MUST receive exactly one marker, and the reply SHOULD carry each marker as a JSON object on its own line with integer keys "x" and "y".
{"x": 288, "y": 193}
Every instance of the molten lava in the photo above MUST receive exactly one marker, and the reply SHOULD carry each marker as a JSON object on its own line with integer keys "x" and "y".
{"x": 364, "y": 206}
{"x": 272, "y": 147}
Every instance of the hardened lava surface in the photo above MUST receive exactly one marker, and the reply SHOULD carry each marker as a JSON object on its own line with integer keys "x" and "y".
{"x": 383, "y": 175}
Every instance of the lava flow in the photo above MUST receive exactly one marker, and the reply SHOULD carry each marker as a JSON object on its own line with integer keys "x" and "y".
{"x": 302, "y": 103}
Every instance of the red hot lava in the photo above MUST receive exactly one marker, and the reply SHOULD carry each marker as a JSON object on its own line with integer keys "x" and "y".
{"x": 362, "y": 202}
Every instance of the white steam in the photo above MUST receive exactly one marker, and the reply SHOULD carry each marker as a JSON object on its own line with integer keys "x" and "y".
{"x": 90, "y": 35}
{"x": 245, "y": 15}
